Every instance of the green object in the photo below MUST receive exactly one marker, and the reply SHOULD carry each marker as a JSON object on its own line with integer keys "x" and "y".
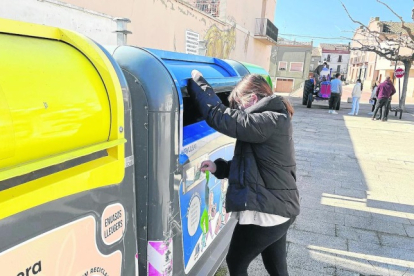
{"x": 255, "y": 69}
{"x": 204, "y": 221}
{"x": 204, "y": 215}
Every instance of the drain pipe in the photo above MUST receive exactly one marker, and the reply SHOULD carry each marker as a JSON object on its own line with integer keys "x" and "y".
{"x": 121, "y": 30}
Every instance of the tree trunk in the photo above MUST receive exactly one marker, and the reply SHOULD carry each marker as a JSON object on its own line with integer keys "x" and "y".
{"x": 407, "y": 68}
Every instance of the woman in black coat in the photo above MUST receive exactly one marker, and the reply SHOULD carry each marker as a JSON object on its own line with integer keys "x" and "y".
{"x": 262, "y": 174}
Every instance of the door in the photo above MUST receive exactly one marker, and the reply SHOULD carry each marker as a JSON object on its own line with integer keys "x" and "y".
{"x": 284, "y": 85}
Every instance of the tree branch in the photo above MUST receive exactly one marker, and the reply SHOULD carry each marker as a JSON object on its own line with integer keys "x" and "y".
{"x": 388, "y": 54}
{"x": 350, "y": 17}
{"x": 376, "y": 35}
{"x": 380, "y": 43}
{"x": 407, "y": 29}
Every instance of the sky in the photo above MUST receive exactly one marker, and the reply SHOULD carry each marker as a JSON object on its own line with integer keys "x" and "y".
{"x": 328, "y": 19}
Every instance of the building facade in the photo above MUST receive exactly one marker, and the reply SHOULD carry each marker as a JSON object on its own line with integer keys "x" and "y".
{"x": 316, "y": 59}
{"x": 236, "y": 29}
{"x": 290, "y": 64}
{"x": 370, "y": 67}
{"x": 337, "y": 56}
{"x": 96, "y": 25}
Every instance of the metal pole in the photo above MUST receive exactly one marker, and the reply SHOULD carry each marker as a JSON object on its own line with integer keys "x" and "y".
{"x": 399, "y": 93}
{"x": 396, "y": 59}
{"x": 122, "y": 30}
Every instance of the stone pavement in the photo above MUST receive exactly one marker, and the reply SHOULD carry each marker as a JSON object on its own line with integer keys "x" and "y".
{"x": 355, "y": 178}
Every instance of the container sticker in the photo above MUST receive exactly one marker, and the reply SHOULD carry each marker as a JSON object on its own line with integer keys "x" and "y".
{"x": 129, "y": 161}
{"x": 69, "y": 250}
{"x": 160, "y": 261}
{"x": 202, "y": 206}
{"x": 113, "y": 223}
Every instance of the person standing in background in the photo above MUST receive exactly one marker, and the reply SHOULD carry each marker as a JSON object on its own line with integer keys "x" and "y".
{"x": 356, "y": 96}
{"x": 336, "y": 93}
{"x": 373, "y": 97}
{"x": 384, "y": 93}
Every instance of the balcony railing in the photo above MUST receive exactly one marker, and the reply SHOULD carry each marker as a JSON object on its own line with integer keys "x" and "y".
{"x": 282, "y": 41}
{"x": 266, "y": 31}
{"x": 211, "y": 7}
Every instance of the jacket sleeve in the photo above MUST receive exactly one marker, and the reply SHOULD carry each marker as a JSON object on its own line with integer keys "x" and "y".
{"x": 252, "y": 128}
{"x": 354, "y": 91}
{"x": 223, "y": 168}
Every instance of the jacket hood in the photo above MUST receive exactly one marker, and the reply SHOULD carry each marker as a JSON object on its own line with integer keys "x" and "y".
{"x": 269, "y": 103}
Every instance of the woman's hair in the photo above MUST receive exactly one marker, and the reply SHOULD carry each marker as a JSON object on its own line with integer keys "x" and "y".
{"x": 362, "y": 86}
{"x": 250, "y": 84}
{"x": 375, "y": 85}
{"x": 288, "y": 106}
{"x": 253, "y": 84}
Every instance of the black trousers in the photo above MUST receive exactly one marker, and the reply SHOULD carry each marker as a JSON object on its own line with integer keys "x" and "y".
{"x": 383, "y": 104}
{"x": 388, "y": 107}
{"x": 248, "y": 241}
{"x": 333, "y": 100}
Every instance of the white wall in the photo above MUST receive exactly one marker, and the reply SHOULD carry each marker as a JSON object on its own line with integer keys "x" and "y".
{"x": 334, "y": 61}
{"x": 99, "y": 27}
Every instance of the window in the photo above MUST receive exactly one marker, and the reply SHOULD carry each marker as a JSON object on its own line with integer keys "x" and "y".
{"x": 296, "y": 67}
{"x": 282, "y": 65}
{"x": 311, "y": 67}
{"x": 338, "y": 69}
{"x": 211, "y": 7}
{"x": 340, "y": 58}
{"x": 329, "y": 58}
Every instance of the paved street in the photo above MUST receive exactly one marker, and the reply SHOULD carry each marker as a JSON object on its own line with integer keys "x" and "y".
{"x": 355, "y": 178}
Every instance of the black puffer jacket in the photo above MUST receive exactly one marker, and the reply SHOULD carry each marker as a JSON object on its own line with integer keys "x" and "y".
{"x": 262, "y": 174}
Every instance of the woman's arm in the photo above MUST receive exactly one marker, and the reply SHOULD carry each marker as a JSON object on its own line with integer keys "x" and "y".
{"x": 252, "y": 128}
{"x": 222, "y": 168}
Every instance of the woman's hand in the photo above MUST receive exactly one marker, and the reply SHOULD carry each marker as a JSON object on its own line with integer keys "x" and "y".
{"x": 208, "y": 166}
{"x": 195, "y": 74}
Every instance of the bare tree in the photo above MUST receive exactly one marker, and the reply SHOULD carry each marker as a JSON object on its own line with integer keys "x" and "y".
{"x": 398, "y": 47}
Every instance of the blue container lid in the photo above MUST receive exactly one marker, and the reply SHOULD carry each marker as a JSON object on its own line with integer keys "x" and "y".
{"x": 216, "y": 71}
